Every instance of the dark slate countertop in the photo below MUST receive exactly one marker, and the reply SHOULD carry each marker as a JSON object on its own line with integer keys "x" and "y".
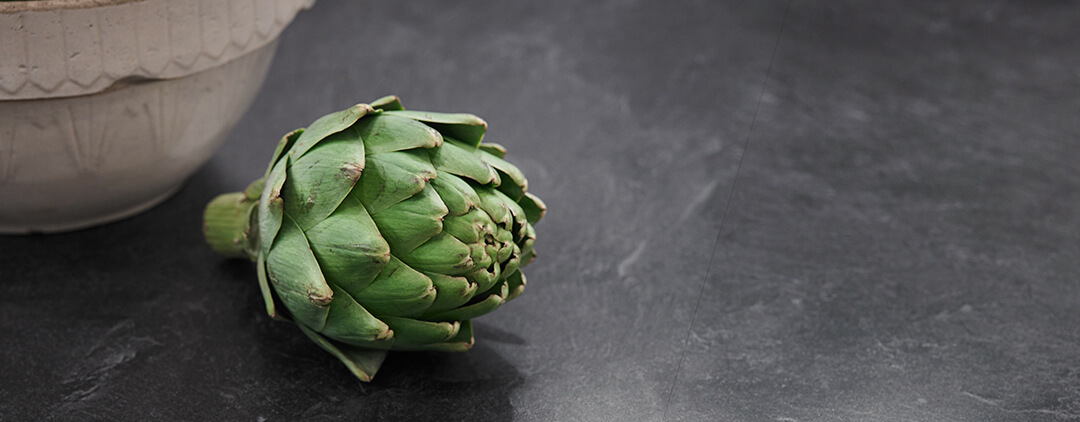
{"x": 759, "y": 211}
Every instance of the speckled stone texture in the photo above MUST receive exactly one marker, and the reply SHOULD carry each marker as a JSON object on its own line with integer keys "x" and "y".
{"x": 900, "y": 240}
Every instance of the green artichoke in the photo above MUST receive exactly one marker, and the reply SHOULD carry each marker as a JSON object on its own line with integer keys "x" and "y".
{"x": 377, "y": 228}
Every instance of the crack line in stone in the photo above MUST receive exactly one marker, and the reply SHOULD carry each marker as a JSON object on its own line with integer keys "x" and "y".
{"x": 723, "y": 217}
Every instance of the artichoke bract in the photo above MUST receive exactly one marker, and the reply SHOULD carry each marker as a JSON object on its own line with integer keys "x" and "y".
{"x": 378, "y": 228}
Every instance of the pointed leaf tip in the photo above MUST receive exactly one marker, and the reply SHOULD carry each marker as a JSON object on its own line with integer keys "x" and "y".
{"x": 387, "y": 103}
{"x": 533, "y": 206}
{"x": 464, "y": 127}
{"x": 493, "y": 149}
{"x": 363, "y": 363}
{"x": 327, "y": 125}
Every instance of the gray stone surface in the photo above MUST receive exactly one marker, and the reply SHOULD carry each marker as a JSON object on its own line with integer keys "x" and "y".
{"x": 900, "y": 244}
{"x": 904, "y": 236}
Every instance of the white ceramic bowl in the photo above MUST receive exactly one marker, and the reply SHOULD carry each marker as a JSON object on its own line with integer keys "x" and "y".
{"x": 107, "y": 106}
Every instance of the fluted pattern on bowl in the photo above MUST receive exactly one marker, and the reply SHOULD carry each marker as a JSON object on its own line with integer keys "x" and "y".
{"x": 74, "y": 162}
{"x": 50, "y": 53}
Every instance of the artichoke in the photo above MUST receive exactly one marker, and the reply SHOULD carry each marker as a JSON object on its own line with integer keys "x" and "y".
{"x": 378, "y": 228}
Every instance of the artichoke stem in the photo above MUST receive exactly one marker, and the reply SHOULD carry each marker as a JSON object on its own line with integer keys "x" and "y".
{"x": 227, "y": 224}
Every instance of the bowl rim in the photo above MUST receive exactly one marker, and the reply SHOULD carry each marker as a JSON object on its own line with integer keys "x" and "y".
{"x": 50, "y": 5}
{"x": 111, "y": 46}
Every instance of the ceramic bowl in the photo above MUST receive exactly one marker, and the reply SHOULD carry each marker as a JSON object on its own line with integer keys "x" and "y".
{"x": 107, "y": 106}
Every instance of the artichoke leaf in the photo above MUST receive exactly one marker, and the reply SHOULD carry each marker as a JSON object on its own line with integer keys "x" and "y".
{"x": 271, "y": 206}
{"x": 412, "y": 222}
{"x": 507, "y": 250}
{"x": 295, "y": 274}
{"x": 348, "y": 247}
{"x": 443, "y": 254}
{"x": 393, "y": 177}
{"x": 473, "y": 310}
{"x": 325, "y": 126}
{"x": 283, "y": 145}
{"x": 503, "y": 236}
{"x": 412, "y": 333}
{"x": 463, "y": 341}
{"x": 534, "y": 208}
{"x": 515, "y": 284}
{"x": 497, "y": 206}
{"x": 470, "y": 227}
{"x": 384, "y": 133}
{"x": 319, "y": 181}
{"x": 363, "y": 363}
{"x": 513, "y": 180}
{"x": 351, "y": 323}
{"x": 520, "y": 219}
{"x": 455, "y": 192}
{"x": 492, "y": 251}
{"x": 254, "y": 189}
{"x": 528, "y": 257}
{"x": 387, "y": 103}
{"x": 399, "y": 291}
{"x": 267, "y": 293}
{"x": 466, "y": 127}
{"x": 517, "y": 214}
{"x": 451, "y": 292}
{"x": 493, "y": 149}
{"x": 510, "y": 266}
{"x": 526, "y": 242}
{"x": 454, "y": 158}
{"x": 484, "y": 278}
{"x": 482, "y": 254}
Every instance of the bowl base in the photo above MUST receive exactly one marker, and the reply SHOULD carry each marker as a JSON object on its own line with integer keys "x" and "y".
{"x": 95, "y": 220}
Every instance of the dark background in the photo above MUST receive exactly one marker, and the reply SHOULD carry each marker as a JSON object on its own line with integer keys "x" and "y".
{"x": 759, "y": 211}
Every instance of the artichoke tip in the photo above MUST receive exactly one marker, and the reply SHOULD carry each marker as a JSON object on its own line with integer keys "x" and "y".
{"x": 320, "y": 299}
{"x": 352, "y": 171}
